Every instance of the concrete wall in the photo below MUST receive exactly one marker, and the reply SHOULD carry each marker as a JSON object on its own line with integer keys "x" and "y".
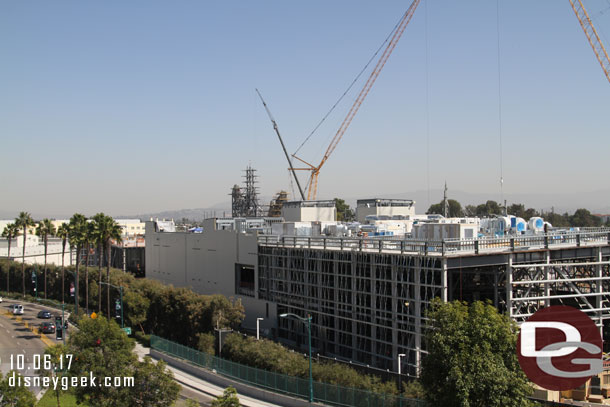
{"x": 309, "y": 214}
{"x": 362, "y": 211}
{"x": 34, "y": 254}
{"x": 206, "y": 263}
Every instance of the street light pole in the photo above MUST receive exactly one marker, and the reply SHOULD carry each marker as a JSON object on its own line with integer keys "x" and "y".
{"x": 122, "y": 321}
{"x": 308, "y": 320}
{"x": 63, "y": 321}
{"x": 75, "y": 291}
{"x": 120, "y": 288}
{"x": 400, "y": 355}
{"x": 258, "y": 320}
{"x": 35, "y": 280}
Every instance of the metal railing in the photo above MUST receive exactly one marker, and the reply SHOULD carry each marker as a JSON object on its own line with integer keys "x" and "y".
{"x": 442, "y": 247}
{"x": 280, "y": 383}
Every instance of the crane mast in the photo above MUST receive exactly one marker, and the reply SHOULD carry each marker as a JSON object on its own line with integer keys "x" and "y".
{"x": 592, "y": 36}
{"x": 277, "y": 131}
{"x": 312, "y": 187}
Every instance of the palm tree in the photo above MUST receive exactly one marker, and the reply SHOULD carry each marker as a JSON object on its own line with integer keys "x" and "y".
{"x": 89, "y": 237}
{"x": 63, "y": 233}
{"x": 100, "y": 227}
{"x": 77, "y": 230}
{"x": 44, "y": 229}
{"x": 106, "y": 229}
{"x": 24, "y": 220}
{"x": 10, "y": 231}
{"x": 114, "y": 233}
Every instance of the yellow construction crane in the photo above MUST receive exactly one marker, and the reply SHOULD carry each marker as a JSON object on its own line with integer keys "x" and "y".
{"x": 591, "y": 33}
{"x": 312, "y": 187}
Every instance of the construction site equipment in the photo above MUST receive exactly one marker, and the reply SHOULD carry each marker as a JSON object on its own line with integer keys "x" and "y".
{"x": 275, "y": 206}
{"x": 591, "y": 33}
{"x": 312, "y": 185}
{"x": 244, "y": 203}
{"x": 277, "y": 131}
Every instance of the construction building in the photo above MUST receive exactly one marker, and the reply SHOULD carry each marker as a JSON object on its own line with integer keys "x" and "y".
{"x": 368, "y": 295}
{"x": 244, "y": 201}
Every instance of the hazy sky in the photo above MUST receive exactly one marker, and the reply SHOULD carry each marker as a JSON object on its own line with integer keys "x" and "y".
{"x": 138, "y": 106}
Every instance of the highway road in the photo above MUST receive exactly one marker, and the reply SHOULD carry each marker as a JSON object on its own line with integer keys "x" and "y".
{"x": 18, "y": 344}
{"x": 17, "y": 340}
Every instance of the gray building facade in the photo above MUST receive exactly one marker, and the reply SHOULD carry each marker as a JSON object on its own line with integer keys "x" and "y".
{"x": 368, "y": 296}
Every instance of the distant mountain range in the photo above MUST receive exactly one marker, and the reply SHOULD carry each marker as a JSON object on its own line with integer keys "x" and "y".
{"x": 597, "y": 202}
{"x": 195, "y": 214}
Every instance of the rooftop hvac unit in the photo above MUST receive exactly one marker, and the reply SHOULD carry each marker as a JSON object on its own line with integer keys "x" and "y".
{"x": 536, "y": 223}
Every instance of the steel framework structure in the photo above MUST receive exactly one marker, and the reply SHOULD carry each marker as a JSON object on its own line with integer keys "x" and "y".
{"x": 368, "y": 304}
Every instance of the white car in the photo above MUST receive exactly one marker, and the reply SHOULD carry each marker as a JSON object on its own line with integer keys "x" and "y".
{"x": 17, "y": 309}
{"x": 0, "y": 299}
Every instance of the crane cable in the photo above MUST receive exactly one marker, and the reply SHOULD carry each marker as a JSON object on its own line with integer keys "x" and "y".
{"x": 350, "y": 86}
{"x": 500, "y": 108}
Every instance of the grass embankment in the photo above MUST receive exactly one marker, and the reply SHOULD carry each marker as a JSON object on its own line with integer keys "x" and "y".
{"x": 65, "y": 399}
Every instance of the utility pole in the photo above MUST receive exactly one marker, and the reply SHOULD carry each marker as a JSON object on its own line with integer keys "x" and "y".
{"x": 445, "y": 206}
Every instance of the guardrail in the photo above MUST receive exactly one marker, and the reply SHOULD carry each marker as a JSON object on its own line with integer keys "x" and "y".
{"x": 294, "y": 386}
{"x": 441, "y": 247}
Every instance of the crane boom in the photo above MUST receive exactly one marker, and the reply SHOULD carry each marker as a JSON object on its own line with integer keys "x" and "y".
{"x": 277, "y": 131}
{"x": 591, "y": 33}
{"x": 312, "y": 188}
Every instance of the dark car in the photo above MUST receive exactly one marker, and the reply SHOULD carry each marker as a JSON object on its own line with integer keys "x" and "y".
{"x": 44, "y": 315}
{"x": 47, "y": 328}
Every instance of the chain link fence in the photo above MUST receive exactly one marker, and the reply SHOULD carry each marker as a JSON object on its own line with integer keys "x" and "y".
{"x": 294, "y": 386}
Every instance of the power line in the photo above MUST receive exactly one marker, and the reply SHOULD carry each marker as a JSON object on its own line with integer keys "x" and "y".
{"x": 349, "y": 87}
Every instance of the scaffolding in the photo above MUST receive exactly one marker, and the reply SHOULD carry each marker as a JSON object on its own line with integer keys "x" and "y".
{"x": 244, "y": 201}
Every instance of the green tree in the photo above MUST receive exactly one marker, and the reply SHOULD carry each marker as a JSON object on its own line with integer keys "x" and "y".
{"x": 15, "y": 394}
{"x": 516, "y": 210}
{"x": 584, "y": 218}
{"x": 10, "y": 231}
{"x": 63, "y": 232}
{"x": 414, "y": 390}
{"x": 228, "y": 399}
{"x": 45, "y": 229}
{"x": 136, "y": 306}
{"x": 344, "y": 212}
{"x": 488, "y": 208}
{"x": 455, "y": 208}
{"x": 57, "y": 370}
{"x": 205, "y": 343}
{"x": 102, "y": 348}
{"x": 472, "y": 358}
{"x": 191, "y": 403}
{"x": 154, "y": 385}
{"x": 556, "y": 219}
{"x": 24, "y": 221}
{"x": 77, "y": 229}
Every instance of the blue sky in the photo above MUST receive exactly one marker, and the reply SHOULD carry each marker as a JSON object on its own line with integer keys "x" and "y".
{"x": 140, "y": 106}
